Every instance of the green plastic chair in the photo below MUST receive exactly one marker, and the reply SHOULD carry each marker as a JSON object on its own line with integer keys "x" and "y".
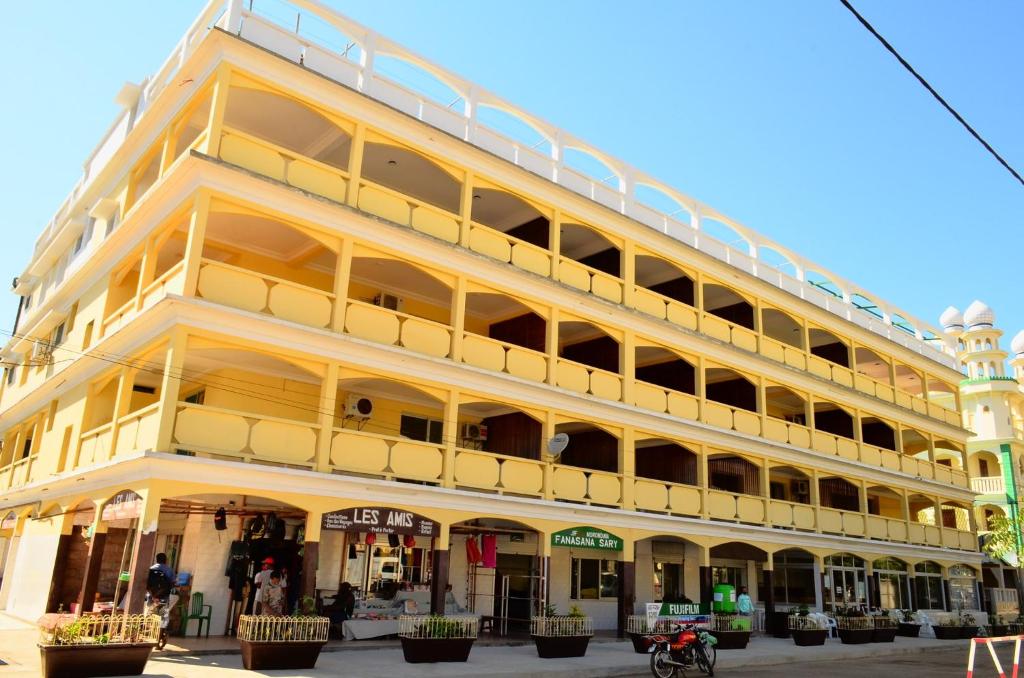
{"x": 197, "y": 611}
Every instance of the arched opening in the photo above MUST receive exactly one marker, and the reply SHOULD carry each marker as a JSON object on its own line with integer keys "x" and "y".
{"x": 732, "y": 473}
{"x": 987, "y": 515}
{"x": 590, "y": 447}
{"x": 781, "y": 327}
{"x": 586, "y": 343}
{"x": 985, "y": 464}
{"x": 901, "y": 323}
{"x": 893, "y": 584}
{"x": 514, "y": 127}
{"x": 821, "y": 282}
{"x": 928, "y": 582}
{"x": 664, "y": 460}
{"x": 828, "y": 346}
{"x": 963, "y": 587}
{"x": 782, "y": 403}
{"x": 504, "y": 318}
{"x": 590, "y": 248}
{"x": 921, "y": 509}
{"x": 590, "y": 165}
{"x": 914, "y": 443}
{"x": 867, "y": 305}
{"x": 776, "y": 259}
{"x": 942, "y": 393}
{"x": 406, "y": 171}
{"x": 909, "y": 380}
{"x": 665, "y": 368}
{"x": 793, "y": 580}
{"x": 730, "y": 388}
{"x": 741, "y": 565}
{"x": 499, "y": 428}
{"x": 68, "y": 575}
{"x": 397, "y": 285}
{"x": 875, "y": 431}
{"x": 664, "y": 571}
{"x": 883, "y": 501}
{"x": 847, "y": 574}
{"x": 728, "y": 305}
{"x": 658, "y": 275}
{"x": 654, "y": 197}
{"x": 787, "y": 483}
{"x": 948, "y": 453}
{"x": 872, "y": 365}
{"x": 832, "y": 418}
{"x": 416, "y": 78}
{"x": 725, "y": 234}
{"x": 510, "y": 214}
{"x": 838, "y": 493}
{"x": 956, "y": 515}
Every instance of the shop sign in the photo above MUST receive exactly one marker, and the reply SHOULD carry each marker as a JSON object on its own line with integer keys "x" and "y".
{"x": 381, "y": 520}
{"x": 683, "y": 609}
{"x": 123, "y": 506}
{"x": 587, "y": 538}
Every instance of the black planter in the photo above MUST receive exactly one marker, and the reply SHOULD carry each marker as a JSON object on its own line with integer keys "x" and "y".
{"x": 641, "y": 642}
{"x": 82, "y": 661}
{"x": 257, "y": 656}
{"x": 557, "y": 647}
{"x": 948, "y": 632}
{"x": 809, "y": 637}
{"x": 429, "y": 650}
{"x": 909, "y": 630}
{"x": 1000, "y": 630}
{"x": 855, "y": 636}
{"x": 968, "y": 631}
{"x": 884, "y": 635}
{"x": 731, "y": 640}
{"x": 777, "y": 624}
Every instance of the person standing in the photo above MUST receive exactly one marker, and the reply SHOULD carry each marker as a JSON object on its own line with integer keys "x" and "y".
{"x": 273, "y": 596}
{"x": 744, "y": 605}
{"x": 261, "y": 580}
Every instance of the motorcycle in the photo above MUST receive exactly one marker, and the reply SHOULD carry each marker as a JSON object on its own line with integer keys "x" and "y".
{"x": 687, "y": 646}
{"x": 163, "y": 609}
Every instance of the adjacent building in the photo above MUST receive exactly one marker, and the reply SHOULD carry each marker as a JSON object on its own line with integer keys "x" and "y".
{"x": 299, "y": 307}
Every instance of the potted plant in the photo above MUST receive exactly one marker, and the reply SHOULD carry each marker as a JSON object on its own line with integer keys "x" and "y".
{"x": 855, "y": 628}
{"x": 436, "y": 638}
{"x": 948, "y": 628}
{"x": 558, "y": 636}
{"x": 908, "y": 626}
{"x": 997, "y": 627}
{"x": 295, "y": 642}
{"x": 76, "y": 647}
{"x": 968, "y": 624}
{"x": 640, "y": 632}
{"x": 1016, "y": 626}
{"x": 885, "y": 628}
{"x": 731, "y": 631}
{"x": 806, "y": 630}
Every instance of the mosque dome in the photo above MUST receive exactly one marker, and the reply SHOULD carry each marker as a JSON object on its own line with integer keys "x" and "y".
{"x": 951, "y": 320}
{"x": 978, "y": 314}
{"x": 1017, "y": 345}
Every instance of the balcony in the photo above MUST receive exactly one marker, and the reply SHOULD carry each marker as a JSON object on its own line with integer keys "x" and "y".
{"x": 989, "y": 485}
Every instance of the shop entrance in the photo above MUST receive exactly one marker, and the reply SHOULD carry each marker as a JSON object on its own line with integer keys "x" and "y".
{"x": 845, "y": 582}
{"x": 517, "y": 591}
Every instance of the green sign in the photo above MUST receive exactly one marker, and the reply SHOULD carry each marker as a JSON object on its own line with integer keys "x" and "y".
{"x": 587, "y": 538}
{"x": 683, "y": 609}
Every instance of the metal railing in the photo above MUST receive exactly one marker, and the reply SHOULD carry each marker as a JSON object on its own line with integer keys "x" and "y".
{"x": 560, "y": 625}
{"x": 101, "y": 630}
{"x": 438, "y": 627}
{"x": 267, "y": 629}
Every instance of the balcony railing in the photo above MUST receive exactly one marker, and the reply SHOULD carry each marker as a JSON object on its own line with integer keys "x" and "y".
{"x": 989, "y": 485}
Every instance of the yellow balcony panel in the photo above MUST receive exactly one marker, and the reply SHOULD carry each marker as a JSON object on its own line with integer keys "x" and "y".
{"x": 284, "y": 442}
{"x": 915, "y": 533}
{"x": 781, "y": 513}
{"x": 574, "y": 274}
{"x": 749, "y": 509}
{"x": 717, "y": 414}
{"x": 897, "y": 529}
{"x": 490, "y": 243}
{"x": 318, "y": 180}
{"x": 721, "y": 505}
{"x": 432, "y": 222}
{"x": 569, "y": 483}
{"x": 908, "y": 465}
{"x": 885, "y": 392}
{"x": 372, "y": 323}
{"x": 526, "y": 364}
{"x": 831, "y": 520}
{"x": 714, "y": 326}
{"x": 819, "y": 366}
{"x": 211, "y": 429}
{"x": 522, "y": 476}
{"x": 138, "y": 430}
{"x": 684, "y": 500}
{"x": 532, "y": 259}
{"x": 853, "y": 523}
{"x": 932, "y": 535}
{"x": 950, "y": 538}
{"x": 303, "y": 305}
{"x": 904, "y": 399}
{"x": 650, "y": 495}
{"x": 649, "y": 397}
{"x": 604, "y": 488}
{"x": 606, "y": 385}
{"x": 926, "y": 469}
{"x": 426, "y": 337}
{"x": 573, "y": 377}
{"x": 744, "y": 338}
{"x": 796, "y": 358}
{"x": 384, "y": 205}
{"x": 416, "y": 461}
{"x": 960, "y": 478}
{"x": 232, "y": 287}
{"x": 246, "y": 153}
{"x": 361, "y": 453}
{"x": 920, "y": 406}
{"x": 773, "y": 349}
{"x": 476, "y": 469}
{"x": 803, "y": 517}
{"x": 952, "y": 418}
{"x": 870, "y": 454}
{"x": 607, "y": 287}
{"x": 799, "y": 435}
{"x": 649, "y": 302}
{"x": 864, "y": 384}
{"x": 847, "y": 448}
{"x": 943, "y": 474}
{"x": 968, "y": 542}
{"x": 682, "y": 315}
{"x": 483, "y": 352}
{"x": 890, "y": 460}
{"x": 96, "y": 445}
{"x": 683, "y": 405}
{"x": 747, "y": 422}
{"x": 842, "y": 376}
{"x": 935, "y": 412}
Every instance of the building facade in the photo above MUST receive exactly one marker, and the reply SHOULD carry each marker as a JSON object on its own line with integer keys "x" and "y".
{"x": 403, "y": 343}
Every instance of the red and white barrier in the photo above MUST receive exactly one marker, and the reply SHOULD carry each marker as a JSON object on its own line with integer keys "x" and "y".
{"x": 988, "y": 642}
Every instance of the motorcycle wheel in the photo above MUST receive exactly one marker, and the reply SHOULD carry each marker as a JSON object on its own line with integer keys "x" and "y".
{"x": 706, "y": 656}
{"x": 659, "y": 666}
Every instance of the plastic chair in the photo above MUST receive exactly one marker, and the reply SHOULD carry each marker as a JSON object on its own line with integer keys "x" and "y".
{"x": 199, "y": 612}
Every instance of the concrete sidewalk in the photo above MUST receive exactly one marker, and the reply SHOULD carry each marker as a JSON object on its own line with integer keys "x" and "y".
{"x": 603, "y": 659}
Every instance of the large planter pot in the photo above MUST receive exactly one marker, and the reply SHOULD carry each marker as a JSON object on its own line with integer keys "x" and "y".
{"x": 809, "y": 637}
{"x": 81, "y": 661}
{"x": 968, "y": 631}
{"x": 908, "y": 630}
{"x": 855, "y": 636}
{"x": 731, "y": 640}
{"x": 556, "y": 647}
{"x": 947, "y": 632}
{"x": 884, "y": 635}
{"x": 1000, "y": 630}
{"x": 430, "y": 650}
{"x": 258, "y": 656}
{"x": 641, "y": 642}
{"x": 777, "y": 624}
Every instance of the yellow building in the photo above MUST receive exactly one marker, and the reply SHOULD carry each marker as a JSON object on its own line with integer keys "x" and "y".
{"x": 288, "y": 284}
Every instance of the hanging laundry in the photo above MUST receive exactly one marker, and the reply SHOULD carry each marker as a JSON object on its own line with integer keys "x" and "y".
{"x": 490, "y": 546}
{"x": 393, "y": 540}
{"x": 472, "y": 551}
{"x": 371, "y": 539}
{"x": 409, "y": 541}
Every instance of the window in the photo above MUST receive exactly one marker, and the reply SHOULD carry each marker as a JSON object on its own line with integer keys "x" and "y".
{"x": 10, "y": 375}
{"x": 197, "y": 398}
{"x": 983, "y": 468}
{"x": 668, "y": 581}
{"x": 172, "y": 547}
{"x": 594, "y": 579}
{"x": 793, "y": 580}
{"x": 737, "y": 576}
{"x": 87, "y": 335}
{"x": 112, "y": 222}
{"x": 421, "y": 428}
{"x": 27, "y": 447}
{"x": 59, "y": 334}
{"x": 929, "y": 586}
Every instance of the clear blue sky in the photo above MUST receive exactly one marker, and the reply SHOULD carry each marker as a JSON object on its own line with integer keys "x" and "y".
{"x": 787, "y": 116}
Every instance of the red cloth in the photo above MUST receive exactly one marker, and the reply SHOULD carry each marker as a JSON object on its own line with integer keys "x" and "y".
{"x": 490, "y": 555}
{"x": 371, "y": 538}
{"x": 409, "y": 541}
{"x": 472, "y": 551}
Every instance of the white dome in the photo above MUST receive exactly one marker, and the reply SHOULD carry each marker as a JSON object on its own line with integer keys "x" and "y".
{"x": 951, "y": 319}
{"x": 978, "y": 313}
{"x": 1017, "y": 345}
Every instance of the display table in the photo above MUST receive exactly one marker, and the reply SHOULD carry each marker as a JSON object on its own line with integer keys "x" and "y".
{"x": 361, "y": 629}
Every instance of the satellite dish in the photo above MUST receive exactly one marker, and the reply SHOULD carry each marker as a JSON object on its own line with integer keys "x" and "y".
{"x": 558, "y": 443}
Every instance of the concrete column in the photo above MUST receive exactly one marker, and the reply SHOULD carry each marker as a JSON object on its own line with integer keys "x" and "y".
{"x": 170, "y": 386}
{"x": 449, "y": 438}
{"x": 328, "y": 397}
{"x": 440, "y": 562}
{"x": 142, "y": 557}
{"x": 87, "y": 594}
{"x": 458, "y": 317}
{"x": 627, "y": 593}
{"x": 466, "y": 209}
{"x": 355, "y": 164}
{"x": 342, "y": 275}
{"x": 706, "y": 584}
{"x": 57, "y": 581}
{"x": 310, "y": 564}
{"x": 218, "y": 105}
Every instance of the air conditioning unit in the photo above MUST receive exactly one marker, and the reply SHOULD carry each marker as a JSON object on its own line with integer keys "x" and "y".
{"x": 474, "y": 432}
{"x": 803, "y": 487}
{"x": 388, "y": 301}
{"x": 42, "y": 352}
{"x": 358, "y": 406}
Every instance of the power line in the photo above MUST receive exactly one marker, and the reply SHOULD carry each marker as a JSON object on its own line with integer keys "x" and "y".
{"x": 938, "y": 97}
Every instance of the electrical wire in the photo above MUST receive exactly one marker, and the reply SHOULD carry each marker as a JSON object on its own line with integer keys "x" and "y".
{"x": 931, "y": 90}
